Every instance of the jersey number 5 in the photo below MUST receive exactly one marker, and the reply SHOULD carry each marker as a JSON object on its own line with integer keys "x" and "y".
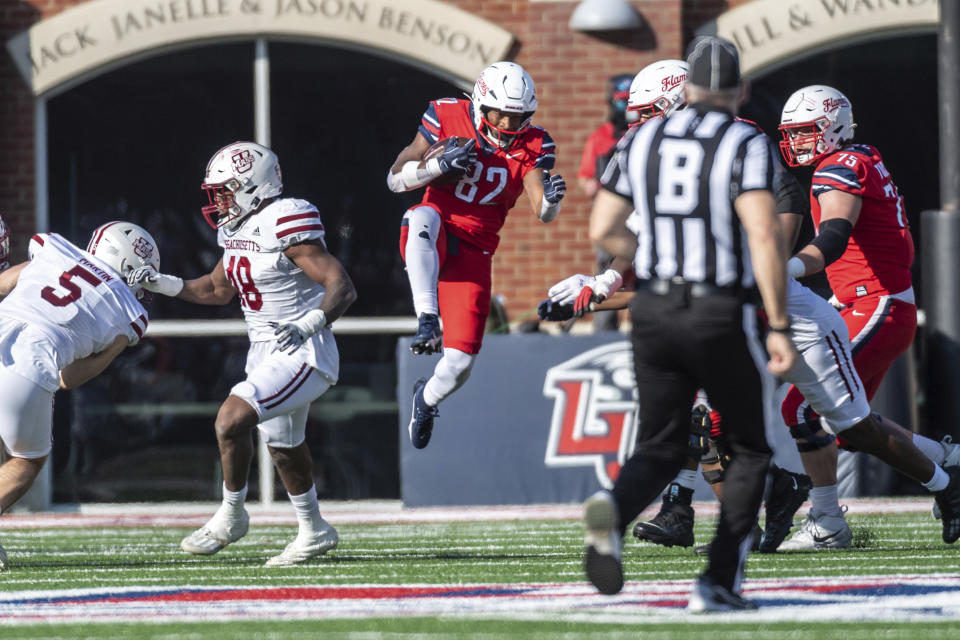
{"x": 238, "y": 272}
{"x": 73, "y": 289}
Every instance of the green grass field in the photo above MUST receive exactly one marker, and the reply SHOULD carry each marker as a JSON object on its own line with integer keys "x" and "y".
{"x": 143, "y": 569}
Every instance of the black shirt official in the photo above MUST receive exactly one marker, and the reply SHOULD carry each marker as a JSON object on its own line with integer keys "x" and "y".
{"x": 706, "y": 246}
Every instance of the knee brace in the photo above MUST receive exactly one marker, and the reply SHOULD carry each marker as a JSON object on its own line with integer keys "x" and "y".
{"x": 806, "y": 436}
{"x": 699, "y": 442}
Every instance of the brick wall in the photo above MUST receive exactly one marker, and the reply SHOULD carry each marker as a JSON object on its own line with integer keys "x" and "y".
{"x": 570, "y": 70}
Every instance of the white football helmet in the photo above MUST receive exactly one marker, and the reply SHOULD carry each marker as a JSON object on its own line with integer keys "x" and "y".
{"x": 816, "y": 120}
{"x": 125, "y": 247}
{"x": 4, "y": 245}
{"x": 506, "y": 87}
{"x": 658, "y": 90}
{"x": 239, "y": 178}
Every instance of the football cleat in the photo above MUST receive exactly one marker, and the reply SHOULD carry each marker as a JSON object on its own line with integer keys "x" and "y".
{"x": 821, "y": 531}
{"x": 602, "y": 562}
{"x": 787, "y": 492}
{"x": 216, "y": 534}
{"x": 948, "y": 500}
{"x": 707, "y": 595}
{"x": 429, "y": 338}
{"x": 951, "y": 452}
{"x": 672, "y": 526}
{"x": 305, "y": 547}
{"x": 3, "y": 559}
{"x": 422, "y": 416}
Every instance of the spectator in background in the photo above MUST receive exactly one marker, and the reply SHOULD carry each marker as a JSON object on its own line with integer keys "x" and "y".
{"x": 596, "y": 152}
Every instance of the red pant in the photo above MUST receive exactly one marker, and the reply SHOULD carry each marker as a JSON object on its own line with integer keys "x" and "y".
{"x": 881, "y": 328}
{"x": 463, "y": 289}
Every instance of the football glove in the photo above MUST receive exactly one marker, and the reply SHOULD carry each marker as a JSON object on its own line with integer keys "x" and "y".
{"x": 148, "y": 278}
{"x": 566, "y": 291}
{"x": 552, "y": 310}
{"x": 457, "y": 160}
{"x": 290, "y": 335}
{"x": 554, "y": 187}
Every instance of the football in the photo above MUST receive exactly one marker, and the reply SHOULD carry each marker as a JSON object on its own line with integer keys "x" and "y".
{"x": 436, "y": 149}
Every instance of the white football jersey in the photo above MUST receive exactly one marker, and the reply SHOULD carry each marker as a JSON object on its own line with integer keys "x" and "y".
{"x": 67, "y": 305}
{"x": 271, "y": 287}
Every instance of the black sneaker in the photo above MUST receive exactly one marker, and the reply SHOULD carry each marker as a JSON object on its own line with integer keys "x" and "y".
{"x": 421, "y": 417}
{"x": 673, "y": 526}
{"x": 787, "y": 492}
{"x": 429, "y": 339}
{"x": 704, "y": 549}
{"x": 707, "y": 595}
{"x": 949, "y": 502}
{"x": 602, "y": 562}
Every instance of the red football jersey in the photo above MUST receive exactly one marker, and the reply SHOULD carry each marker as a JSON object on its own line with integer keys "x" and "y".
{"x": 880, "y": 251}
{"x": 476, "y": 207}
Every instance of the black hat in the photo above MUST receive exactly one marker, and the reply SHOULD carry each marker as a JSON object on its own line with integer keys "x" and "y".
{"x": 714, "y": 63}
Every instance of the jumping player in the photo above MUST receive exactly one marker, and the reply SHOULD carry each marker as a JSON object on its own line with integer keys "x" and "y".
{"x": 448, "y": 240}
{"x": 291, "y": 289}
{"x": 64, "y": 316}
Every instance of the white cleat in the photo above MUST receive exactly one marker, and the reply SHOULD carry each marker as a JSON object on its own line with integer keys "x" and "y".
{"x": 215, "y": 535}
{"x": 303, "y": 548}
{"x": 821, "y": 531}
{"x": 602, "y": 561}
{"x": 3, "y": 560}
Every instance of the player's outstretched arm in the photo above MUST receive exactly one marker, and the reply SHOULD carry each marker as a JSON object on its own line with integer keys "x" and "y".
{"x": 9, "y": 278}
{"x": 324, "y": 269}
{"x": 79, "y": 371}
{"x": 213, "y": 288}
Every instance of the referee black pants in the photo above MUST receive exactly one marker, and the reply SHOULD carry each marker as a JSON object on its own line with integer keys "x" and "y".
{"x": 682, "y": 344}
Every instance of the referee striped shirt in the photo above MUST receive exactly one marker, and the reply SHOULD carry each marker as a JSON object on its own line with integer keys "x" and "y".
{"x": 683, "y": 174}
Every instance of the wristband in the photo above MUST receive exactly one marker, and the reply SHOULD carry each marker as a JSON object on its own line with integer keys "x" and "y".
{"x": 785, "y": 329}
{"x": 548, "y": 210}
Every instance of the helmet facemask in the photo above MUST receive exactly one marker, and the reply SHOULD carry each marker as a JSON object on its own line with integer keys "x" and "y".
{"x": 223, "y": 208}
{"x": 803, "y": 142}
{"x": 502, "y": 138}
{"x": 648, "y": 111}
{"x": 816, "y": 121}
{"x": 4, "y": 245}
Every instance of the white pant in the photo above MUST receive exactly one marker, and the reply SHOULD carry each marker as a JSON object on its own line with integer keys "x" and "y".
{"x": 26, "y": 416}
{"x": 280, "y": 389}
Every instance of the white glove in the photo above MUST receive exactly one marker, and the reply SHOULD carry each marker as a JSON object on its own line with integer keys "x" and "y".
{"x": 148, "y": 278}
{"x": 290, "y": 335}
{"x": 566, "y": 291}
{"x": 606, "y": 283}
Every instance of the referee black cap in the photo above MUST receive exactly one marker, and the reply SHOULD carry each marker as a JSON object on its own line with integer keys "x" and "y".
{"x": 714, "y": 63}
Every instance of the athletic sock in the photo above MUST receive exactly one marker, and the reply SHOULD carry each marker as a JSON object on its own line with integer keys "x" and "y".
{"x": 938, "y": 482}
{"x": 308, "y": 511}
{"x": 825, "y": 500}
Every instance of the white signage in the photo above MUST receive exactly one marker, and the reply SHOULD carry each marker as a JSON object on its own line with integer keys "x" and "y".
{"x": 96, "y": 35}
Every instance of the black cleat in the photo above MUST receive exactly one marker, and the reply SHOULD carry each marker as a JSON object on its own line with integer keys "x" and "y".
{"x": 949, "y": 502}
{"x": 787, "y": 492}
{"x": 421, "y": 417}
{"x": 707, "y": 595}
{"x": 673, "y": 526}
{"x": 429, "y": 338}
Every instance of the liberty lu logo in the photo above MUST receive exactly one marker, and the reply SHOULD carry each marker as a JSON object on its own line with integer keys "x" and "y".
{"x": 594, "y": 419}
